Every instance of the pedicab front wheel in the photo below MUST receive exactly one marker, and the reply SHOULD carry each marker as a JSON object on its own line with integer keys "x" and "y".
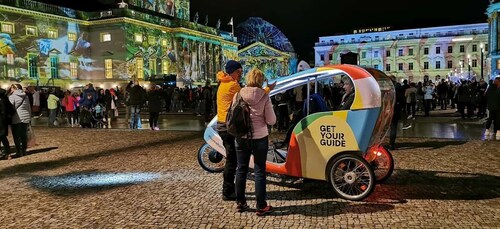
{"x": 210, "y": 160}
{"x": 351, "y": 177}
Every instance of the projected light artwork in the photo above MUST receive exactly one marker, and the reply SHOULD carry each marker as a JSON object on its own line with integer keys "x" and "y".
{"x": 266, "y": 47}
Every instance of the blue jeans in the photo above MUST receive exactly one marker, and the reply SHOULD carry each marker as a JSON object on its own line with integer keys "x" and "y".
{"x": 135, "y": 115}
{"x": 258, "y": 148}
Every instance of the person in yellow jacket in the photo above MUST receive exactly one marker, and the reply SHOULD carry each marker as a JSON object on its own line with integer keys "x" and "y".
{"x": 228, "y": 86}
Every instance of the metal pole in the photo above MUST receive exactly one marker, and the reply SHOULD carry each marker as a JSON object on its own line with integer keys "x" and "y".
{"x": 482, "y": 53}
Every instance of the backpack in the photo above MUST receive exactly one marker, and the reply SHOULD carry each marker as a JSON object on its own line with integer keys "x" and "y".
{"x": 238, "y": 120}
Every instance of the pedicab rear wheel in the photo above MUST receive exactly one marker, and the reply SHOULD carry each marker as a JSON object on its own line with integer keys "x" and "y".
{"x": 351, "y": 177}
{"x": 382, "y": 163}
{"x": 210, "y": 160}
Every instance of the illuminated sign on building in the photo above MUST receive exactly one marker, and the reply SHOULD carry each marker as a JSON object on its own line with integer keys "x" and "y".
{"x": 369, "y": 30}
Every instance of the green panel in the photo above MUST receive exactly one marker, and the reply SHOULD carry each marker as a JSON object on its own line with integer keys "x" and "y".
{"x": 304, "y": 123}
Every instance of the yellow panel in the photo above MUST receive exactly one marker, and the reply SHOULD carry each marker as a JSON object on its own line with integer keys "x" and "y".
{"x": 321, "y": 140}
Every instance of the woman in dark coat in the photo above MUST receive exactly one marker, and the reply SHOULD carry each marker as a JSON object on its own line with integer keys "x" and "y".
{"x": 154, "y": 98}
{"x": 6, "y": 111}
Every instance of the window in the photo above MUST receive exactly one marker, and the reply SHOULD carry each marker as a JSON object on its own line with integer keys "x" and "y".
{"x": 138, "y": 37}
{"x": 11, "y": 73}
{"x": 388, "y": 67}
{"x": 498, "y": 63}
{"x": 486, "y": 47}
{"x": 426, "y": 51}
{"x": 152, "y": 66}
{"x": 10, "y": 59}
{"x": 72, "y": 36}
{"x": 400, "y": 66}
{"x": 387, "y": 53}
{"x": 105, "y": 37}
{"x": 52, "y": 33}
{"x": 375, "y": 66}
{"x": 474, "y": 48}
{"x": 438, "y": 64}
{"x": 164, "y": 66}
{"x": 73, "y": 68}
{"x": 410, "y": 66}
{"x": 33, "y": 65}
{"x": 8, "y": 27}
{"x": 140, "y": 68}
{"x": 462, "y": 48}
{"x": 375, "y": 54}
{"x": 321, "y": 57}
{"x": 108, "y": 68}
{"x": 400, "y": 52}
{"x": 54, "y": 72}
{"x": 438, "y": 50}
{"x": 151, "y": 40}
{"x": 450, "y": 64}
{"x": 426, "y": 65}
{"x": 410, "y": 51}
{"x": 363, "y": 55}
{"x": 164, "y": 42}
{"x": 330, "y": 56}
{"x": 474, "y": 63}
{"x": 450, "y": 49}
{"x": 31, "y": 31}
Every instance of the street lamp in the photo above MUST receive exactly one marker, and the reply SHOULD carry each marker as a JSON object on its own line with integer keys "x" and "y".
{"x": 468, "y": 66}
{"x": 482, "y": 53}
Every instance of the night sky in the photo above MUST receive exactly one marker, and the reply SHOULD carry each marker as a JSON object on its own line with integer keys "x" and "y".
{"x": 304, "y": 21}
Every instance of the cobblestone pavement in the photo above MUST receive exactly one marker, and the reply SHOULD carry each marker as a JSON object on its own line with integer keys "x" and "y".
{"x": 143, "y": 179}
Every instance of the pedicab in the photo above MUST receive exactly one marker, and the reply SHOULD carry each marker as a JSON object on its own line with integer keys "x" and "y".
{"x": 343, "y": 147}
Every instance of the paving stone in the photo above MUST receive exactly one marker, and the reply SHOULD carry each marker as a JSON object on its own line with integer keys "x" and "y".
{"x": 76, "y": 178}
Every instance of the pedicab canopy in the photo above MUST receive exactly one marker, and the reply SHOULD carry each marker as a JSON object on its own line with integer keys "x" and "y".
{"x": 319, "y": 136}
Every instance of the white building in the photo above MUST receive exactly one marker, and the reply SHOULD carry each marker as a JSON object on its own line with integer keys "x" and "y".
{"x": 413, "y": 53}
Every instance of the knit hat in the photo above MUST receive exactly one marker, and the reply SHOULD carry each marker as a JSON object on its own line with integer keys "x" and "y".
{"x": 232, "y": 66}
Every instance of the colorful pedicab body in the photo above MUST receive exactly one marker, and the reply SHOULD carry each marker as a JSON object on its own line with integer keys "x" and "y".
{"x": 341, "y": 147}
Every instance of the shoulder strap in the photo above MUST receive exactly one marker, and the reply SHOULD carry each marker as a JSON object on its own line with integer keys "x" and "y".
{"x": 21, "y": 103}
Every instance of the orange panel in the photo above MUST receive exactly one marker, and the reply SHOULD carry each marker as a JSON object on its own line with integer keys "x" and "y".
{"x": 292, "y": 166}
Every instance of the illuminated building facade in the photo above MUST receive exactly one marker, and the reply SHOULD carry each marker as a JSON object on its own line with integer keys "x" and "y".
{"x": 436, "y": 52}
{"x": 43, "y": 44}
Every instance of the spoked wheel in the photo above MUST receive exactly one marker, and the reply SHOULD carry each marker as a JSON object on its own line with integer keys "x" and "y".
{"x": 352, "y": 177}
{"x": 382, "y": 163}
{"x": 210, "y": 160}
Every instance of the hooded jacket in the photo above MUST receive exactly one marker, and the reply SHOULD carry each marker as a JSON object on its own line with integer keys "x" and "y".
{"x": 261, "y": 110}
{"x": 227, "y": 89}
{"x": 21, "y": 103}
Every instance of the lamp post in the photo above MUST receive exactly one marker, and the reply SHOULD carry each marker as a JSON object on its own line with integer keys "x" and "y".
{"x": 468, "y": 66}
{"x": 482, "y": 54}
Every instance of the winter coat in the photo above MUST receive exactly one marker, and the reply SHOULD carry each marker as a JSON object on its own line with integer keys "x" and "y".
{"x": 70, "y": 103}
{"x": 21, "y": 103}
{"x": 52, "y": 102}
{"x": 137, "y": 95}
{"x": 227, "y": 89}
{"x": 493, "y": 97}
{"x": 261, "y": 110}
{"x": 154, "y": 101}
